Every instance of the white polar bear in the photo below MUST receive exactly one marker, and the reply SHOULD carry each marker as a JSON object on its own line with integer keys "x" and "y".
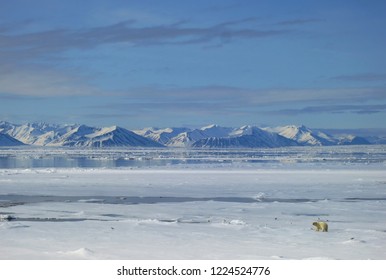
{"x": 320, "y": 226}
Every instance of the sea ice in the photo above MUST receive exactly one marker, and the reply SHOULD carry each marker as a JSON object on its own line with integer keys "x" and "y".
{"x": 194, "y": 212}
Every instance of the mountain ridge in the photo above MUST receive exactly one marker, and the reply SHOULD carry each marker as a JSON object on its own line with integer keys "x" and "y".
{"x": 8, "y": 141}
{"x": 75, "y": 135}
{"x": 210, "y": 136}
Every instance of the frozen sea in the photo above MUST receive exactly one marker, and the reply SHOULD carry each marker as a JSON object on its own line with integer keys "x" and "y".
{"x": 58, "y": 203}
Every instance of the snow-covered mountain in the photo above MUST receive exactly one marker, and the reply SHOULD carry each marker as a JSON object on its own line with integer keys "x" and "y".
{"x": 244, "y": 141}
{"x": 212, "y": 136}
{"x": 162, "y": 136}
{"x": 34, "y": 133}
{"x": 214, "y": 130}
{"x": 307, "y": 137}
{"x": 352, "y": 140}
{"x": 183, "y": 137}
{"x": 304, "y": 136}
{"x": 186, "y": 139}
{"x": 42, "y": 134}
{"x": 381, "y": 140}
{"x": 371, "y": 135}
{"x": 75, "y": 136}
{"x": 7, "y": 141}
{"x": 115, "y": 136}
{"x": 246, "y": 137}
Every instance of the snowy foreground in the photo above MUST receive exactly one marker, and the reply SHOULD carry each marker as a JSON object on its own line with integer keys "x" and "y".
{"x": 203, "y": 211}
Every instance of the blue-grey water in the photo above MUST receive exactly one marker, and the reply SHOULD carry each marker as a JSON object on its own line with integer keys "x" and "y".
{"x": 34, "y": 157}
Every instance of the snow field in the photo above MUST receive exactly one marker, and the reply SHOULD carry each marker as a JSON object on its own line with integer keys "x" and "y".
{"x": 193, "y": 214}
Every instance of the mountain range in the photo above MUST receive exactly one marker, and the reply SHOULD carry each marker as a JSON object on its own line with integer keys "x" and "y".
{"x": 43, "y": 134}
{"x": 212, "y": 136}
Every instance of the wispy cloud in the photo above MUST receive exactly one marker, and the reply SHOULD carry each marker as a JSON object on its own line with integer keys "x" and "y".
{"x": 299, "y": 21}
{"x": 363, "y": 77}
{"x": 222, "y": 6}
{"x": 40, "y": 82}
{"x": 221, "y": 100}
{"x": 336, "y": 109}
{"x": 129, "y": 32}
{"x": 245, "y": 96}
{"x": 8, "y": 27}
{"x": 20, "y": 51}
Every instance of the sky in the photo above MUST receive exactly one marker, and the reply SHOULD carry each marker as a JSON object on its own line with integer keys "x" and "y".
{"x": 175, "y": 63}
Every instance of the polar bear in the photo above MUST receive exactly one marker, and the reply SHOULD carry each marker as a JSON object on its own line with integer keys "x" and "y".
{"x": 320, "y": 226}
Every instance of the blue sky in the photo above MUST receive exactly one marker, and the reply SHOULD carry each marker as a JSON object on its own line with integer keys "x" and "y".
{"x": 192, "y": 63}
